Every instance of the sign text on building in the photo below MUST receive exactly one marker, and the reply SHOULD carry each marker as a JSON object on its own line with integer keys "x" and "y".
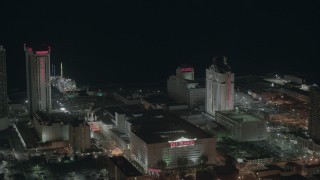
{"x": 182, "y": 142}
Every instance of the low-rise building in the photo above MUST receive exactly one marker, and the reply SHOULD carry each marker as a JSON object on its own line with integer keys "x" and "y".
{"x": 162, "y": 101}
{"x": 52, "y": 126}
{"x": 296, "y": 93}
{"x": 242, "y": 126}
{"x": 127, "y": 98}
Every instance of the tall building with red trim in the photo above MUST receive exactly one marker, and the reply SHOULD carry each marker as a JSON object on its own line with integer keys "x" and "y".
{"x": 38, "y": 79}
{"x": 219, "y": 87}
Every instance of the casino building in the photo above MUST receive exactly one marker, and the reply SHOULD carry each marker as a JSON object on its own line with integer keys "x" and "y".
{"x": 183, "y": 87}
{"x": 160, "y": 136}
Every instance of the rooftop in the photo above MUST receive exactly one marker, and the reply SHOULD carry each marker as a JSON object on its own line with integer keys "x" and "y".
{"x": 159, "y": 98}
{"x": 129, "y": 95}
{"x": 160, "y": 126}
{"x": 49, "y": 118}
{"x": 239, "y": 116}
{"x": 128, "y": 110}
{"x": 297, "y": 90}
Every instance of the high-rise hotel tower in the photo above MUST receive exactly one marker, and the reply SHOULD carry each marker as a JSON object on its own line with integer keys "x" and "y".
{"x": 219, "y": 87}
{"x": 38, "y": 79}
{"x": 3, "y": 90}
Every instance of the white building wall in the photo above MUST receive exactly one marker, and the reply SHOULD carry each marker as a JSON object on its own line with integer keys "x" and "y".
{"x": 56, "y": 131}
{"x": 209, "y": 93}
{"x": 148, "y": 155}
{"x": 163, "y": 151}
{"x": 220, "y": 91}
{"x": 120, "y": 120}
{"x": 139, "y": 151}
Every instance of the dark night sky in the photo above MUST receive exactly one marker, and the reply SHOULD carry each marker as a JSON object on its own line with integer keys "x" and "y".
{"x": 136, "y": 41}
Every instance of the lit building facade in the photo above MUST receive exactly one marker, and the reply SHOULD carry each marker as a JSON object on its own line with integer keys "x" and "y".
{"x": 182, "y": 87}
{"x": 154, "y": 138}
{"x": 51, "y": 127}
{"x": 242, "y": 126}
{"x": 79, "y": 136}
{"x": 219, "y": 87}
{"x": 314, "y": 116}
{"x": 38, "y": 80}
{"x": 3, "y": 90}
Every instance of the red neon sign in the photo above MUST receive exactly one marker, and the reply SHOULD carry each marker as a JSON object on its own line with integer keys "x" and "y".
{"x": 42, "y": 52}
{"x": 182, "y": 142}
{"x": 190, "y": 69}
{"x": 154, "y": 170}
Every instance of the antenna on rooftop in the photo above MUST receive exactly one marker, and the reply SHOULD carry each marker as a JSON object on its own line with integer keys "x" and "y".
{"x": 61, "y": 70}
{"x": 214, "y": 59}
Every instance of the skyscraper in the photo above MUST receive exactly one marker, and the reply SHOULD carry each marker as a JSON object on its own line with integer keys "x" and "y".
{"x": 219, "y": 87}
{"x": 38, "y": 79}
{"x": 3, "y": 90}
{"x": 314, "y": 116}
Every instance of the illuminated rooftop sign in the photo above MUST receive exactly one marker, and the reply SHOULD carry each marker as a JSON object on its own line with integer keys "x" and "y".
{"x": 189, "y": 69}
{"x": 42, "y": 52}
{"x": 182, "y": 142}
